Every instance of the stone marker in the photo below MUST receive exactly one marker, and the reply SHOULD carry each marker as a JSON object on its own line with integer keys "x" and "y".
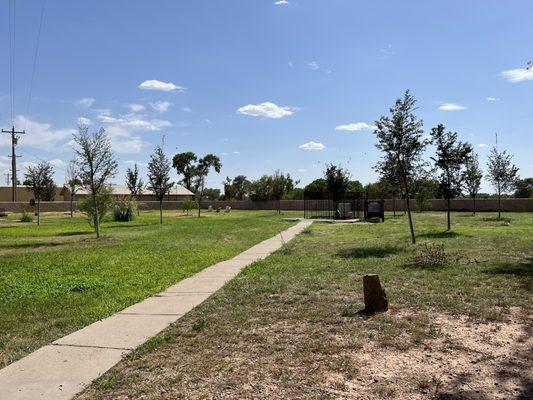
{"x": 375, "y": 296}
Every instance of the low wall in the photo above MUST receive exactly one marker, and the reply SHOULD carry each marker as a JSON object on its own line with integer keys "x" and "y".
{"x": 508, "y": 205}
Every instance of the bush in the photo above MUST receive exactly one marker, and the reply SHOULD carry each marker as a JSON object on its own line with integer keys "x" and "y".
{"x": 431, "y": 256}
{"x": 26, "y": 217}
{"x": 188, "y": 205}
{"x": 124, "y": 211}
{"x": 105, "y": 203}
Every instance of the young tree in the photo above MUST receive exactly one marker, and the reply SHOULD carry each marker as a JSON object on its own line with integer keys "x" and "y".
{"x": 472, "y": 176}
{"x": 200, "y": 172}
{"x": 281, "y": 184}
{"x": 337, "y": 180}
{"x": 450, "y": 158}
{"x": 400, "y": 139}
{"x": 159, "y": 178}
{"x": 73, "y": 183}
{"x": 37, "y": 179}
{"x": 184, "y": 163}
{"x": 501, "y": 173}
{"x": 135, "y": 183}
{"x": 96, "y": 163}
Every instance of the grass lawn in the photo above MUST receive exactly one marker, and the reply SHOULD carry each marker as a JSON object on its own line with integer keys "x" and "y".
{"x": 289, "y": 327}
{"x": 56, "y": 278}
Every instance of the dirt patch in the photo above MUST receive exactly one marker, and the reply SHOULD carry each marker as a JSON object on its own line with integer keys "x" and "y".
{"x": 467, "y": 360}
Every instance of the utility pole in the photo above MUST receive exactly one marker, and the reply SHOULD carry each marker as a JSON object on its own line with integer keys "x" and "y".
{"x": 14, "y": 140}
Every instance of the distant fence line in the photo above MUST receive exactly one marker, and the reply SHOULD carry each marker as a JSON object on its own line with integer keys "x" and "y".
{"x": 523, "y": 205}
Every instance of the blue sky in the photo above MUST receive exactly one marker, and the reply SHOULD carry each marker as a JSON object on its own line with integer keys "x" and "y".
{"x": 266, "y": 86}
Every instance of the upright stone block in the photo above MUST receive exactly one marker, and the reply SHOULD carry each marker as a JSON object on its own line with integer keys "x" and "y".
{"x": 375, "y": 296}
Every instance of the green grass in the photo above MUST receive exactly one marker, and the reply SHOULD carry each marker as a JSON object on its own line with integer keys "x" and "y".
{"x": 289, "y": 325}
{"x": 57, "y": 278}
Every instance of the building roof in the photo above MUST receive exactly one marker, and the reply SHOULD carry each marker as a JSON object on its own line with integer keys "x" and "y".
{"x": 122, "y": 190}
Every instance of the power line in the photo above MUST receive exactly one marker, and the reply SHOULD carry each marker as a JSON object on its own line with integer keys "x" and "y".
{"x": 34, "y": 67}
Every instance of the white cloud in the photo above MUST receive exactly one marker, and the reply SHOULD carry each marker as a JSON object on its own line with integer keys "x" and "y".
{"x": 313, "y": 65}
{"x": 133, "y": 122}
{"x": 186, "y": 109}
{"x": 85, "y": 102}
{"x": 267, "y": 109}
{"x": 40, "y": 135}
{"x": 84, "y": 121}
{"x": 133, "y": 162}
{"x": 129, "y": 145}
{"x": 160, "y": 106}
{"x": 481, "y": 145}
{"x": 312, "y": 146}
{"x": 135, "y": 108}
{"x": 302, "y": 170}
{"x": 492, "y": 99}
{"x": 451, "y": 107}
{"x": 154, "y": 84}
{"x": 281, "y": 2}
{"x": 236, "y": 152}
{"x": 518, "y": 75}
{"x": 56, "y": 162}
{"x": 354, "y": 127}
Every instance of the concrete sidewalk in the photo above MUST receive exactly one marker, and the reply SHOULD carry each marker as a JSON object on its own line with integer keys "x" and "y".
{"x": 61, "y": 370}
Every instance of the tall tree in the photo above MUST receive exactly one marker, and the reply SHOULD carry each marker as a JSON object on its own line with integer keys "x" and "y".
{"x": 158, "y": 177}
{"x": 241, "y": 185}
{"x": 502, "y": 173}
{"x": 450, "y": 158}
{"x": 524, "y": 188}
{"x": 337, "y": 181}
{"x": 261, "y": 189}
{"x": 281, "y": 184}
{"x": 72, "y": 182}
{"x": 185, "y": 164}
{"x": 96, "y": 163}
{"x": 400, "y": 139}
{"x": 135, "y": 183}
{"x": 200, "y": 172}
{"x": 37, "y": 179}
{"x": 316, "y": 189}
{"x": 229, "y": 189}
{"x": 472, "y": 176}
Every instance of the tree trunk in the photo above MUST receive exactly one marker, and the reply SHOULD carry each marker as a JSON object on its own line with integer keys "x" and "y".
{"x": 411, "y": 228}
{"x": 448, "y": 206}
{"x": 279, "y": 206}
{"x": 474, "y": 198}
{"x": 38, "y": 212}
{"x": 96, "y": 217}
{"x": 394, "y": 206}
{"x": 161, "y": 211}
{"x": 199, "y": 211}
{"x": 499, "y": 204}
{"x": 71, "y": 205}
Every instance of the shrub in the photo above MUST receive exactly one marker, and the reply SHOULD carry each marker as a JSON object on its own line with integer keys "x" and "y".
{"x": 431, "y": 256}
{"x": 124, "y": 211}
{"x": 105, "y": 203}
{"x": 26, "y": 217}
{"x": 188, "y": 205}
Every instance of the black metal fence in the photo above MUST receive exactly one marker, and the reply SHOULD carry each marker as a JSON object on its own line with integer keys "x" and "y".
{"x": 350, "y": 205}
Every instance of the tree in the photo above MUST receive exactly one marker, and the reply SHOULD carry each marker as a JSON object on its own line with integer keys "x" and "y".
{"x": 73, "y": 183}
{"x": 422, "y": 200}
{"x": 158, "y": 177}
{"x": 295, "y": 194}
{"x": 184, "y": 163}
{"x": 450, "y": 158}
{"x": 200, "y": 172}
{"x": 400, "y": 139}
{"x": 261, "y": 189}
{"x": 241, "y": 186}
{"x": 96, "y": 163}
{"x": 524, "y": 188}
{"x": 38, "y": 179}
{"x": 134, "y": 182}
{"x": 229, "y": 189}
{"x": 281, "y": 184}
{"x": 337, "y": 180}
{"x": 212, "y": 194}
{"x": 501, "y": 173}
{"x": 318, "y": 188}
{"x": 472, "y": 176}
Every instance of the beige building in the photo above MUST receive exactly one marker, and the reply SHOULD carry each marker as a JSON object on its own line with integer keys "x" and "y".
{"x": 23, "y": 194}
{"x": 177, "y": 193}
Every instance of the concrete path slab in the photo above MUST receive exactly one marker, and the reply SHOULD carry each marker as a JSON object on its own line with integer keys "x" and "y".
{"x": 61, "y": 370}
